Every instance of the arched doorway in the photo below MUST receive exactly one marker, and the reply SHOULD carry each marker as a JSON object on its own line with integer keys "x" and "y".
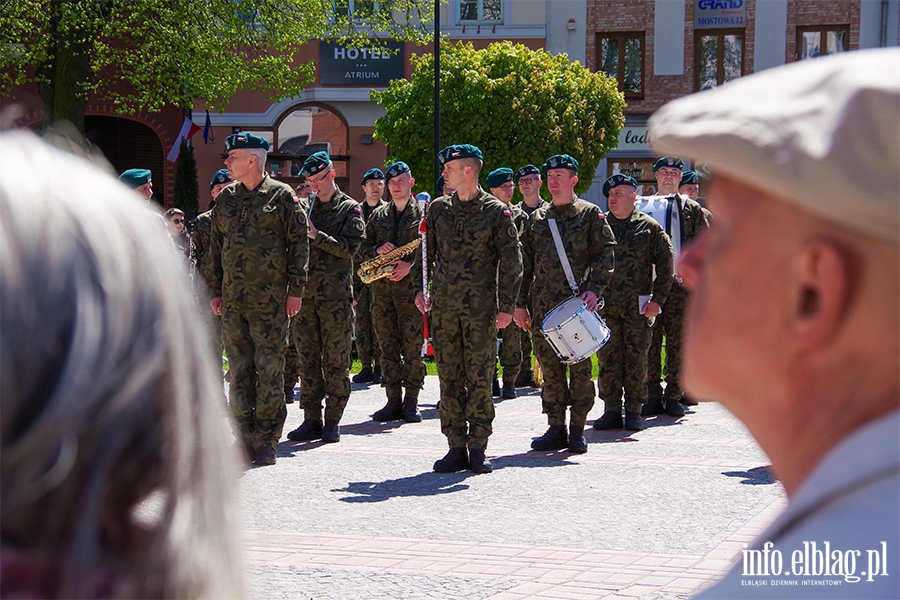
{"x": 128, "y": 144}
{"x": 305, "y": 129}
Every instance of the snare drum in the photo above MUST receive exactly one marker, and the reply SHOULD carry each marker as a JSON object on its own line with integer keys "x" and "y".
{"x": 573, "y": 331}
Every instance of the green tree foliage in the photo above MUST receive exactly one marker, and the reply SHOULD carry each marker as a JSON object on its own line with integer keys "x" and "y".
{"x": 518, "y": 105}
{"x": 144, "y": 54}
{"x": 187, "y": 194}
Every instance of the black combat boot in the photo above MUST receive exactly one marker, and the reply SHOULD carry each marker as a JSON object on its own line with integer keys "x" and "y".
{"x": 633, "y": 421}
{"x": 457, "y": 459}
{"x": 524, "y": 379}
{"x": 288, "y": 395}
{"x": 265, "y": 455}
{"x": 364, "y": 376}
{"x": 509, "y": 390}
{"x": 554, "y": 439}
{"x": 478, "y": 463}
{"x": 688, "y": 400}
{"x": 577, "y": 443}
{"x": 653, "y": 406}
{"x": 376, "y": 374}
{"x": 495, "y": 388}
{"x": 331, "y": 433}
{"x": 674, "y": 408}
{"x": 311, "y": 427}
{"x": 410, "y": 410}
{"x": 392, "y": 411}
{"x": 611, "y": 419}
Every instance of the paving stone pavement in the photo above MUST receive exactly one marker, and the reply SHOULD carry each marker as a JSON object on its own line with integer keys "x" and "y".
{"x": 656, "y": 514}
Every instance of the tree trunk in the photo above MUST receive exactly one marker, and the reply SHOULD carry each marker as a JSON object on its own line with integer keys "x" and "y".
{"x": 66, "y": 73}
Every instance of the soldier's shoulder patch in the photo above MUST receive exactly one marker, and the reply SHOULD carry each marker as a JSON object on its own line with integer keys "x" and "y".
{"x": 296, "y": 199}
{"x": 358, "y": 225}
{"x": 601, "y": 216}
{"x": 506, "y": 212}
{"x": 301, "y": 217}
{"x": 357, "y": 210}
{"x": 512, "y": 232}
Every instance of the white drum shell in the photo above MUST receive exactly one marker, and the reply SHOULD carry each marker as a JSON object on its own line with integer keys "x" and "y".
{"x": 574, "y": 332}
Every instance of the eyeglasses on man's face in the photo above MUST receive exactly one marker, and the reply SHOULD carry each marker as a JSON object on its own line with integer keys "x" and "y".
{"x": 528, "y": 180}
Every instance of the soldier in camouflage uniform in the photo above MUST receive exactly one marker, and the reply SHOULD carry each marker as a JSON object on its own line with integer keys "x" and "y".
{"x": 500, "y": 183}
{"x": 473, "y": 250}
{"x": 588, "y": 243}
{"x": 323, "y": 329}
{"x": 528, "y": 179}
{"x": 202, "y": 229}
{"x": 256, "y": 273}
{"x": 367, "y": 347}
{"x": 671, "y": 323}
{"x": 633, "y": 299}
{"x": 399, "y": 325}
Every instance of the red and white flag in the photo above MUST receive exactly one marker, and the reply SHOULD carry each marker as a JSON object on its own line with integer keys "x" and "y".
{"x": 188, "y": 128}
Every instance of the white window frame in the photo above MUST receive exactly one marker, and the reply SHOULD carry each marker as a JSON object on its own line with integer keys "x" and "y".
{"x": 457, "y": 5}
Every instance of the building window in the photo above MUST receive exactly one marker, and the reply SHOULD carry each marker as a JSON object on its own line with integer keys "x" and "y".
{"x": 621, "y": 56}
{"x": 480, "y": 11}
{"x": 719, "y": 57}
{"x": 813, "y": 42}
{"x": 357, "y": 9}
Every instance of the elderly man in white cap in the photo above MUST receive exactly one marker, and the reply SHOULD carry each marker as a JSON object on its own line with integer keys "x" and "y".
{"x": 794, "y": 322}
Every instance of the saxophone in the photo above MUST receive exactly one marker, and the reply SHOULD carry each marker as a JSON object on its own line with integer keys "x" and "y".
{"x": 380, "y": 266}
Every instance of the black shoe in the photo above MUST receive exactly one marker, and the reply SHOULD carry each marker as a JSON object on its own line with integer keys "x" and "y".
{"x": 478, "y": 463}
{"x": 265, "y": 455}
{"x": 524, "y": 379}
{"x": 509, "y": 390}
{"x": 553, "y": 439}
{"x": 577, "y": 443}
{"x": 688, "y": 401}
{"x": 392, "y": 411}
{"x": 364, "y": 376}
{"x": 457, "y": 459}
{"x": 633, "y": 421}
{"x": 310, "y": 429}
{"x": 495, "y": 388}
{"x": 288, "y": 395}
{"x": 376, "y": 374}
{"x": 653, "y": 406}
{"x": 673, "y": 408}
{"x": 410, "y": 410}
{"x": 331, "y": 433}
{"x": 609, "y": 420}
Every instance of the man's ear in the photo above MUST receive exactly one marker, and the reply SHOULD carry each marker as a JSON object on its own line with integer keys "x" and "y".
{"x": 822, "y": 289}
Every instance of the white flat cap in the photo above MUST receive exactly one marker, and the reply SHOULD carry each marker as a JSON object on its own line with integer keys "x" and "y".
{"x": 823, "y": 134}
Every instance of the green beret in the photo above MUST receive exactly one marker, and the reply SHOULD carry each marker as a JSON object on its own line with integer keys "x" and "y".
{"x": 617, "y": 180}
{"x": 526, "y": 170}
{"x": 668, "y": 161}
{"x": 459, "y": 151}
{"x": 372, "y": 174}
{"x": 689, "y": 178}
{"x": 498, "y": 177}
{"x": 316, "y": 163}
{"x": 398, "y": 168}
{"x": 135, "y": 178}
{"x": 219, "y": 178}
{"x": 237, "y": 141}
{"x": 560, "y": 161}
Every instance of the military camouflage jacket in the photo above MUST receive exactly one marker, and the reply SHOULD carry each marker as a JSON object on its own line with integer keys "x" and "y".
{"x": 641, "y": 245}
{"x": 693, "y": 219}
{"x": 473, "y": 253}
{"x": 589, "y": 244}
{"x": 358, "y": 285}
{"x": 380, "y": 229}
{"x": 528, "y": 210}
{"x": 258, "y": 246}
{"x": 200, "y": 246}
{"x": 340, "y": 226}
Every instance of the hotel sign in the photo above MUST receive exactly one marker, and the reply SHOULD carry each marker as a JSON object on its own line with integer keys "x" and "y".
{"x": 339, "y": 65}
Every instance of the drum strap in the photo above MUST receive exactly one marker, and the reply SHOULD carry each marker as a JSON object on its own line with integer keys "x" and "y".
{"x": 567, "y": 268}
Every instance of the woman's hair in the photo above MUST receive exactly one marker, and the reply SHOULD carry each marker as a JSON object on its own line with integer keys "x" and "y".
{"x": 108, "y": 395}
{"x": 172, "y": 212}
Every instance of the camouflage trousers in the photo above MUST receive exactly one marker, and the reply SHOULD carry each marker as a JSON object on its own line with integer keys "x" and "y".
{"x": 254, "y": 337}
{"x": 671, "y": 324}
{"x": 465, "y": 354}
{"x": 511, "y": 351}
{"x": 367, "y": 347}
{"x": 400, "y": 328}
{"x": 623, "y": 360}
{"x": 322, "y": 334}
{"x": 565, "y": 385}
{"x": 291, "y": 365}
